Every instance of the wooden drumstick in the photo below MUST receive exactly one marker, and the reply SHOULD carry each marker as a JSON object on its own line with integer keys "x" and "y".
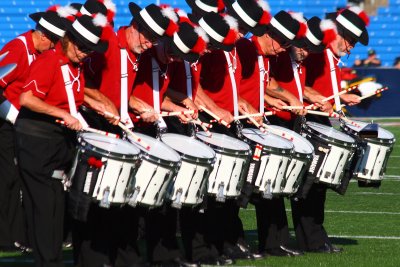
{"x": 219, "y": 120}
{"x": 262, "y": 129}
{"x": 110, "y": 115}
{"x": 314, "y": 106}
{"x": 201, "y": 123}
{"x": 278, "y": 132}
{"x": 177, "y": 113}
{"x": 134, "y": 136}
{"x": 92, "y": 130}
{"x": 326, "y": 114}
{"x": 293, "y": 107}
{"x": 268, "y": 113}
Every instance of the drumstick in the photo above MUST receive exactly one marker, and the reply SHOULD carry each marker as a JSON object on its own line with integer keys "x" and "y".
{"x": 134, "y": 136}
{"x": 268, "y": 113}
{"x": 314, "y": 106}
{"x": 326, "y": 114}
{"x": 173, "y": 113}
{"x": 262, "y": 129}
{"x": 278, "y": 132}
{"x": 293, "y": 107}
{"x": 92, "y": 130}
{"x": 374, "y": 93}
{"x": 219, "y": 120}
{"x": 205, "y": 129}
{"x": 201, "y": 123}
{"x": 110, "y": 115}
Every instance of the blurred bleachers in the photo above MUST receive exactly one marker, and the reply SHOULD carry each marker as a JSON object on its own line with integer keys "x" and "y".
{"x": 384, "y": 28}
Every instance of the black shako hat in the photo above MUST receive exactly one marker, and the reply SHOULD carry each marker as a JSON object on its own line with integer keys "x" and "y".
{"x": 50, "y": 22}
{"x": 284, "y": 26}
{"x": 88, "y": 31}
{"x": 221, "y": 29}
{"x": 253, "y": 16}
{"x": 203, "y": 7}
{"x": 319, "y": 34}
{"x": 352, "y": 22}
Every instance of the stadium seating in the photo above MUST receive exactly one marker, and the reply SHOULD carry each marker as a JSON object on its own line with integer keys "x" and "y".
{"x": 384, "y": 28}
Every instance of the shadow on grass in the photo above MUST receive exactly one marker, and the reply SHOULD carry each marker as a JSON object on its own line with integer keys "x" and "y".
{"x": 343, "y": 241}
{"x": 26, "y": 259}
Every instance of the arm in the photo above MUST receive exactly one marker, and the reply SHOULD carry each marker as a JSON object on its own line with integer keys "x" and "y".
{"x": 313, "y": 96}
{"x": 92, "y": 95}
{"x": 143, "y": 109}
{"x": 28, "y": 100}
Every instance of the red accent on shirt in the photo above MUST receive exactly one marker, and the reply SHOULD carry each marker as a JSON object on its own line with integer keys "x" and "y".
{"x": 13, "y": 82}
{"x": 46, "y": 81}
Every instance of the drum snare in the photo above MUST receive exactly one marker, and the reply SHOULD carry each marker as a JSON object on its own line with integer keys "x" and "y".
{"x": 189, "y": 185}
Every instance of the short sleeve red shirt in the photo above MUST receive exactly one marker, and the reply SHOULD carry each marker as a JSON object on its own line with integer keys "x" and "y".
{"x": 13, "y": 82}
{"x": 249, "y": 88}
{"x": 179, "y": 81}
{"x": 143, "y": 85}
{"x": 215, "y": 78}
{"x": 105, "y": 69}
{"x": 318, "y": 73}
{"x": 46, "y": 82}
{"x": 282, "y": 71}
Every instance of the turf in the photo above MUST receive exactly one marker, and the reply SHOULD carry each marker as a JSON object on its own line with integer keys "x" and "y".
{"x": 365, "y": 222}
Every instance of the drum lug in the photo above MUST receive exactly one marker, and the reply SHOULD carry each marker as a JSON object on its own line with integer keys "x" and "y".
{"x": 132, "y": 201}
{"x": 220, "y": 195}
{"x": 105, "y": 202}
{"x": 267, "y": 194}
{"x": 177, "y": 204}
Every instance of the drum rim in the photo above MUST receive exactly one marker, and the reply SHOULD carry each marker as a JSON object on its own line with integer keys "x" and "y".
{"x": 294, "y": 146}
{"x": 280, "y": 151}
{"x": 188, "y": 157}
{"x": 324, "y": 137}
{"x": 344, "y": 127}
{"x": 152, "y": 158}
{"x": 102, "y": 151}
{"x": 224, "y": 150}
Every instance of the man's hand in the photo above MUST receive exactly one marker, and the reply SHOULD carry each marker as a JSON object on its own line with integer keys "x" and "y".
{"x": 350, "y": 99}
{"x": 72, "y": 122}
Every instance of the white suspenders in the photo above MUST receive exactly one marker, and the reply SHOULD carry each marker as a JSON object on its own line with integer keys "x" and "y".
{"x": 297, "y": 79}
{"x": 124, "y": 89}
{"x": 261, "y": 67}
{"x": 156, "y": 91}
{"x": 233, "y": 82}
{"x": 334, "y": 79}
{"x": 189, "y": 89}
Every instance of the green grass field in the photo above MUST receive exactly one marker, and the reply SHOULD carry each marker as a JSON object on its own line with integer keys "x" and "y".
{"x": 365, "y": 222}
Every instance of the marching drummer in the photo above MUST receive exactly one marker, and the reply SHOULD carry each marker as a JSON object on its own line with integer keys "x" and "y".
{"x": 308, "y": 212}
{"x": 53, "y": 90}
{"x": 22, "y": 50}
{"x": 271, "y": 36}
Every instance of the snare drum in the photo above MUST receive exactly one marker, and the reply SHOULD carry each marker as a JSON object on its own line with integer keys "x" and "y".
{"x": 103, "y": 168}
{"x": 372, "y": 153}
{"x": 231, "y": 164}
{"x": 158, "y": 166}
{"x": 189, "y": 185}
{"x": 275, "y": 157}
{"x": 301, "y": 158}
{"x": 333, "y": 150}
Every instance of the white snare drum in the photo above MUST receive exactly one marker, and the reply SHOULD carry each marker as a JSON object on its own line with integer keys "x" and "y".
{"x": 158, "y": 167}
{"x": 302, "y": 156}
{"x": 103, "y": 168}
{"x": 230, "y": 168}
{"x": 274, "y": 160}
{"x": 373, "y": 153}
{"x": 189, "y": 185}
{"x": 333, "y": 150}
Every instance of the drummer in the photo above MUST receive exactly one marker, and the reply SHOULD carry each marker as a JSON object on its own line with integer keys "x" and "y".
{"x": 255, "y": 56}
{"x": 127, "y": 45}
{"x": 45, "y": 149}
{"x": 49, "y": 29}
{"x": 308, "y": 213}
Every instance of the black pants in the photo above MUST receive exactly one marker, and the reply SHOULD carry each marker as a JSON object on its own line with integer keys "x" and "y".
{"x": 38, "y": 157}
{"x": 272, "y": 224}
{"x": 12, "y": 216}
{"x": 308, "y": 213}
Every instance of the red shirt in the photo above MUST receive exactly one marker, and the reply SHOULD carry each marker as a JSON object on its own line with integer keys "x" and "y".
{"x": 13, "y": 82}
{"x": 179, "y": 81}
{"x": 215, "y": 78}
{"x": 105, "y": 69}
{"x": 282, "y": 71}
{"x": 45, "y": 79}
{"x": 143, "y": 85}
{"x": 318, "y": 73}
{"x": 249, "y": 88}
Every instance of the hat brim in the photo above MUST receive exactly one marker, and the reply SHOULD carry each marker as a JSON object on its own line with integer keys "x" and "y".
{"x": 272, "y": 29}
{"x": 215, "y": 44}
{"x": 312, "y": 47}
{"x": 100, "y": 47}
{"x": 135, "y": 11}
{"x": 257, "y": 30}
{"x": 195, "y": 8}
{"x": 362, "y": 39}
{"x": 36, "y": 18}
{"x": 190, "y": 57}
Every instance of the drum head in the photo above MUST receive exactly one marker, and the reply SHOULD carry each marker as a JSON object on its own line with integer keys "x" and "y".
{"x": 301, "y": 144}
{"x": 110, "y": 144}
{"x": 157, "y": 148}
{"x": 223, "y": 141}
{"x": 188, "y": 146}
{"x": 267, "y": 139}
{"x": 330, "y": 132}
{"x": 382, "y": 133}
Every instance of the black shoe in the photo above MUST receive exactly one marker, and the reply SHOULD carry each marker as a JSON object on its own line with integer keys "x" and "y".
{"x": 293, "y": 252}
{"x": 327, "y": 248}
{"x": 279, "y": 252}
{"x": 224, "y": 260}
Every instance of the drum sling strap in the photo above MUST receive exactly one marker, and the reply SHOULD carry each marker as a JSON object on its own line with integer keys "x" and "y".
{"x": 263, "y": 72}
{"x": 124, "y": 89}
{"x": 156, "y": 93}
{"x": 334, "y": 81}
{"x": 233, "y": 82}
{"x": 7, "y": 110}
{"x": 189, "y": 89}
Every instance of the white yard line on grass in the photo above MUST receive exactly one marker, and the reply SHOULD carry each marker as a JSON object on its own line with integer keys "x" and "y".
{"x": 366, "y": 237}
{"x": 376, "y": 193}
{"x": 349, "y": 212}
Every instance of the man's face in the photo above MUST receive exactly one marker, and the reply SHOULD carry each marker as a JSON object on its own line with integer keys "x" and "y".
{"x": 272, "y": 45}
{"x": 139, "y": 40}
{"x": 299, "y": 54}
{"x": 342, "y": 45}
